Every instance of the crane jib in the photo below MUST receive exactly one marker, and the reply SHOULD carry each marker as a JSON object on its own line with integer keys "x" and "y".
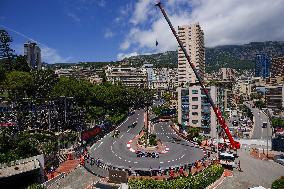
{"x": 217, "y": 112}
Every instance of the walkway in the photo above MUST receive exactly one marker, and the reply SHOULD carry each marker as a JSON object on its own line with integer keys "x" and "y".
{"x": 77, "y": 179}
{"x": 254, "y": 173}
{"x": 64, "y": 167}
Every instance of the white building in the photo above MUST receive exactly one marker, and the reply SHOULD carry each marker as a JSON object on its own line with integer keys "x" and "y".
{"x": 193, "y": 39}
{"x": 128, "y": 76}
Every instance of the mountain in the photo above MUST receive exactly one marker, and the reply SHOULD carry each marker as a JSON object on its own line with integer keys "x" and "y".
{"x": 240, "y": 57}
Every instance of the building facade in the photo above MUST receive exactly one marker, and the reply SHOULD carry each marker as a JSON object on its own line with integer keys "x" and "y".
{"x": 277, "y": 68}
{"x": 192, "y": 38}
{"x": 227, "y": 74}
{"x": 128, "y": 76}
{"x": 262, "y": 66}
{"x": 33, "y": 55}
{"x": 194, "y": 109}
{"x": 274, "y": 97}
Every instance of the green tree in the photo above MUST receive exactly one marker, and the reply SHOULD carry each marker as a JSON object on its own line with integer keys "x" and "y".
{"x": 260, "y": 104}
{"x": 71, "y": 87}
{"x": 20, "y": 64}
{"x": 35, "y": 186}
{"x": 44, "y": 82}
{"x": 18, "y": 84}
{"x": 277, "y": 122}
{"x": 193, "y": 132}
{"x": 5, "y": 40}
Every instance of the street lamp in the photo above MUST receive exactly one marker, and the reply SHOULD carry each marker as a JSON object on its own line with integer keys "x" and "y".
{"x": 264, "y": 125}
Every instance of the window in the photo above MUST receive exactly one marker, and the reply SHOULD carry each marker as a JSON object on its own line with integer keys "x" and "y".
{"x": 194, "y": 121}
{"x": 194, "y": 91}
{"x": 194, "y": 98}
{"x": 194, "y": 107}
{"x": 195, "y": 113}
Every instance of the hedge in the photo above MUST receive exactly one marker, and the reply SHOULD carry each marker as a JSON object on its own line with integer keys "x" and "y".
{"x": 199, "y": 181}
{"x": 278, "y": 184}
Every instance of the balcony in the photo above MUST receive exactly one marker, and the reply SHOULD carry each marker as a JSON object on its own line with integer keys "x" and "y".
{"x": 206, "y": 110}
{"x": 205, "y": 126}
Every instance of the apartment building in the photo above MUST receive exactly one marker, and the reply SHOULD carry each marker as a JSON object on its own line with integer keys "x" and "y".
{"x": 128, "y": 76}
{"x": 274, "y": 97}
{"x": 33, "y": 55}
{"x": 192, "y": 38}
{"x": 277, "y": 67}
{"x": 227, "y": 74}
{"x": 194, "y": 109}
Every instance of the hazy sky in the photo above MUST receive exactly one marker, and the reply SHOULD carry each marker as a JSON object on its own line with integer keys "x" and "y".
{"x": 105, "y": 30}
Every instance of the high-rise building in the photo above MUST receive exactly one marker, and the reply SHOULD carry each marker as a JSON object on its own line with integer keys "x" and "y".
{"x": 192, "y": 38}
{"x": 33, "y": 55}
{"x": 262, "y": 66}
{"x": 277, "y": 68}
{"x": 195, "y": 110}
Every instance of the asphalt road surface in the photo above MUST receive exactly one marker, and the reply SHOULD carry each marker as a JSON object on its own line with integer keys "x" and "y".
{"x": 259, "y": 118}
{"x": 114, "y": 151}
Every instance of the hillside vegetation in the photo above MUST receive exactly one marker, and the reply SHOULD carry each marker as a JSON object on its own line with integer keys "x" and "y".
{"x": 240, "y": 57}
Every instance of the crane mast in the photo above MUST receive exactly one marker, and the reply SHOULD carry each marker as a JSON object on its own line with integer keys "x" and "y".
{"x": 221, "y": 120}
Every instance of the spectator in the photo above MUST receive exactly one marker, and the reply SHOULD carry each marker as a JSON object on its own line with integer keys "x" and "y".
{"x": 181, "y": 171}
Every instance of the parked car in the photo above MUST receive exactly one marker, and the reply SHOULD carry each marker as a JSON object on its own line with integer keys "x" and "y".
{"x": 279, "y": 159}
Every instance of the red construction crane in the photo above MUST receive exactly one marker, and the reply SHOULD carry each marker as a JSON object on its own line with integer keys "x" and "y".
{"x": 234, "y": 144}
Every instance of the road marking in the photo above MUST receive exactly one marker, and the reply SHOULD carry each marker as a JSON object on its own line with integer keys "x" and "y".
{"x": 129, "y": 161}
{"x": 135, "y": 162}
{"x": 114, "y": 142}
{"x": 128, "y": 130}
{"x": 182, "y": 156}
{"x": 169, "y": 161}
{"x": 119, "y": 157}
{"x": 111, "y": 148}
{"x": 161, "y": 162}
{"x": 115, "y": 155}
{"x": 100, "y": 144}
{"x": 121, "y": 136}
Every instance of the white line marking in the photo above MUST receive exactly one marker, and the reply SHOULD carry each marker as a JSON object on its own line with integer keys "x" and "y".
{"x": 114, "y": 142}
{"x": 161, "y": 162}
{"x": 169, "y": 161}
{"x": 100, "y": 144}
{"x": 119, "y": 157}
{"x": 129, "y": 161}
{"x": 182, "y": 156}
{"x": 128, "y": 130}
{"x": 121, "y": 136}
{"x": 135, "y": 162}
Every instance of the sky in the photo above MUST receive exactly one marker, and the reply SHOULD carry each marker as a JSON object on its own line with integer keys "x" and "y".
{"x": 110, "y": 30}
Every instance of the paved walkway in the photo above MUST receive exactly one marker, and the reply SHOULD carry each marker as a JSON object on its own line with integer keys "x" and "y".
{"x": 80, "y": 178}
{"x": 255, "y": 172}
{"x": 65, "y": 167}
